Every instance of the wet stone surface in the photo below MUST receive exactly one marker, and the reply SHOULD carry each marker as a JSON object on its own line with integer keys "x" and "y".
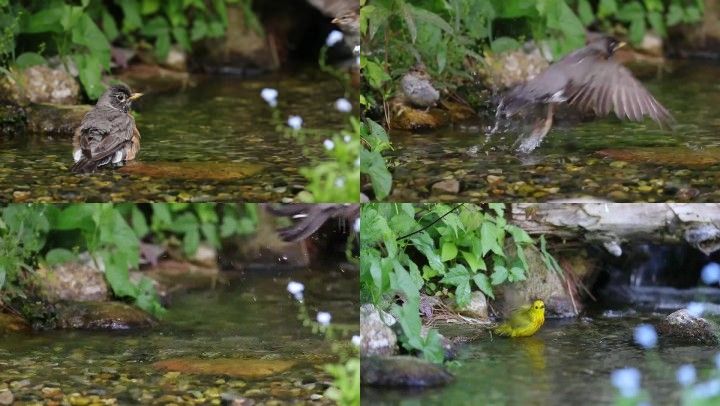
{"x": 604, "y": 159}
{"x": 222, "y": 126}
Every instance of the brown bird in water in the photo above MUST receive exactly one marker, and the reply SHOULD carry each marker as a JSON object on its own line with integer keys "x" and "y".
{"x": 417, "y": 87}
{"x": 349, "y": 24}
{"x": 308, "y": 218}
{"x": 107, "y": 134}
{"x": 590, "y": 80}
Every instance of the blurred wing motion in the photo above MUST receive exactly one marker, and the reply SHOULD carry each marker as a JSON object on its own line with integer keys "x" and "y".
{"x": 608, "y": 86}
{"x": 308, "y": 218}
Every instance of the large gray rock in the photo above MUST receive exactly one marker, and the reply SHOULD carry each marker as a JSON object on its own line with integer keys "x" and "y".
{"x": 101, "y": 316}
{"x": 402, "y": 371}
{"x": 683, "y": 327}
{"x": 40, "y": 84}
{"x": 478, "y": 306}
{"x": 78, "y": 280}
{"x": 376, "y": 336}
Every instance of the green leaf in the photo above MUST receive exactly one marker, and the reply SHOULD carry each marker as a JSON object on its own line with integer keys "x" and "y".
{"x": 692, "y": 15}
{"x": 483, "y": 283}
{"x": 131, "y": 15}
{"x": 45, "y": 20}
{"x": 585, "y": 12}
{"x": 657, "y": 23}
{"x": 109, "y": 26}
{"x": 138, "y": 222}
{"x": 59, "y": 256}
{"x": 199, "y": 30}
{"x": 516, "y": 274}
{"x": 150, "y": 7}
{"x": 637, "y": 30}
{"x": 499, "y": 275}
{"x": 449, "y": 251}
{"x": 607, "y": 8}
{"x": 519, "y": 235}
{"x": 631, "y": 11}
{"x": 221, "y": 10}
{"x": 162, "y": 46}
{"x": 674, "y": 15}
{"x": 462, "y": 293}
{"x": 28, "y": 59}
{"x": 181, "y": 36}
{"x": 191, "y": 241}
{"x": 489, "y": 239}
{"x": 456, "y": 276}
{"x": 474, "y": 262}
{"x": 373, "y": 165}
{"x": 90, "y": 72}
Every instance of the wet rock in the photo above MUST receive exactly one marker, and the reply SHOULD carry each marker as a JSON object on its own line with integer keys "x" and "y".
{"x": 102, "y": 316}
{"x": 54, "y": 119}
{"x": 172, "y": 276}
{"x": 410, "y": 119}
{"x": 376, "y": 336}
{"x": 665, "y": 156}
{"x": 478, "y": 307}
{"x": 150, "y": 78}
{"x": 447, "y": 186}
{"x": 192, "y": 170}
{"x": 541, "y": 283}
{"x": 685, "y": 328}
{"x": 402, "y": 371}
{"x": 234, "y": 367}
{"x": 79, "y": 281}
{"x": 507, "y": 69}
{"x": 6, "y": 397}
{"x": 10, "y": 323}
{"x": 458, "y": 112}
{"x": 206, "y": 256}
{"x": 12, "y": 119}
{"x": 40, "y": 84}
{"x": 176, "y": 59}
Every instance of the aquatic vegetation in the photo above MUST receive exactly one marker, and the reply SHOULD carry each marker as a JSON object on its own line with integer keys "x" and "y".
{"x": 523, "y": 322}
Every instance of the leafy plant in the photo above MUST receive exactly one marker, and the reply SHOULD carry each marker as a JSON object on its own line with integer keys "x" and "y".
{"x": 23, "y": 230}
{"x": 372, "y": 163}
{"x": 436, "y": 249}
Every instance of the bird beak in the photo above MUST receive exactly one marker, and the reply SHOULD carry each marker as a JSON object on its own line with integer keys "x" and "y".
{"x": 620, "y": 45}
{"x": 135, "y": 96}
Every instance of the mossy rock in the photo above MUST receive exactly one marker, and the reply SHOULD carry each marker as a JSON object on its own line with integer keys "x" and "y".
{"x": 13, "y": 119}
{"x": 55, "y": 119}
{"x": 683, "y": 328}
{"x": 402, "y": 371}
{"x": 102, "y": 316}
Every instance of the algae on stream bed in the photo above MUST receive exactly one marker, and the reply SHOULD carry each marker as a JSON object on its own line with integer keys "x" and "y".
{"x": 243, "y": 340}
{"x": 567, "y": 362}
{"x": 214, "y": 142}
{"x": 605, "y": 159}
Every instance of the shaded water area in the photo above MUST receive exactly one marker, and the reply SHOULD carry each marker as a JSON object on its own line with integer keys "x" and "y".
{"x": 567, "y": 362}
{"x": 212, "y": 142}
{"x": 605, "y": 158}
{"x": 251, "y": 318}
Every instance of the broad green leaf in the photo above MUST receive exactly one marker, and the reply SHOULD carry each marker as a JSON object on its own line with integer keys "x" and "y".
{"x": 28, "y": 59}
{"x": 607, "y": 8}
{"x": 131, "y": 15}
{"x": 191, "y": 241}
{"x": 456, "y": 275}
{"x": 499, "y": 275}
{"x": 449, "y": 251}
{"x": 585, "y": 12}
{"x": 59, "y": 256}
{"x": 474, "y": 262}
{"x": 462, "y": 293}
{"x": 483, "y": 283}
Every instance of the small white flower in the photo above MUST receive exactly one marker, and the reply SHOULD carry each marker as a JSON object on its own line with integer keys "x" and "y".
{"x": 686, "y": 375}
{"x": 270, "y": 96}
{"x": 324, "y": 318}
{"x": 295, "y": 122}
{"x": 347, "y": 139}
{"x": 296, "y": 289}
{"x": 333, "y": 38}
{"x": 357, "y": 163}
{"x": 356, "y": 227}
{"x": 356, "y": 50}
{"x": 356, "y": 341}
{"x": 717, "y": 360}
{"x": 710, "y": 273}
{"x": 696, "y": 309}
{"x": 340, "y": 182}
{"x": 343, "y": 105}
{"x": 357, "y": 61}
{"x": 707, "y": 389}
{"x": 627, "y": 381}
{"x": 645, "y": 335}
{"x": 329, "y": 145}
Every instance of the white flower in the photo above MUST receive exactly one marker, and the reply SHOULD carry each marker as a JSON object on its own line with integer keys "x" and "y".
{"x": 645, "y": 335}
{"x": 717, "y": 360}
{"x": 356, "y": 227}
{"x": 357, "y": 162}
{"x": 627, "y": 381}
{"x": 329, "y": 145}
{"x": 356, "y": 50}
{"x": 710, "y": 273}
{"x": 686, "y": 375}
{"x": 296, "y": 289}
{"x": 324, "y": 318}
{"x": 707, "y": 389}
{"x": 343, "y": 105}
{"x": 356, "y": 341}
{"x": 357, "y": 61}
{"x": 695, "y": 309}
{"x": 333, "y": 38}
{"x": 340, "y": 182}
{"x": 347, "y": 139}
{"x": 295, "y": 122}
{"x": 270, "y": 96}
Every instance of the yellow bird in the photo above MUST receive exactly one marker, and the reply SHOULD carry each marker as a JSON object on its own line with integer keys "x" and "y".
{"x": 523, "y": 322}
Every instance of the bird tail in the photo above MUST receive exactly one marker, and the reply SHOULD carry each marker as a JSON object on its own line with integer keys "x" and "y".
{"x": 503, "y": 330}
{"x": 85, "y": 165}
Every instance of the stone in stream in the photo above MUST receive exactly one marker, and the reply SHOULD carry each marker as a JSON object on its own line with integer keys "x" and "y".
{"x": 684, "y": 328}
{"x": 235, "y": 367}
{"x": 12, "y": 119}
{"x": 217, "y": 171}
{"x": 6, "y": 397}
{"x": 665, "y": 156}
{"x": 55, "y": 119}
{"x": 76, "y": 280}
{"x": 376, "y": 336}
{"x": 447, "y": 186}
{"x": 101, "y": 316}
{"x": 10, "y": 323}
{"x": 402, "y": 371}
{"x": 40, "y": 84}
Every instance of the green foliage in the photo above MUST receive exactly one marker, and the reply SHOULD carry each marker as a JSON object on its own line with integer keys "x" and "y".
{"x": 372, "y": 163}
{"x": 111, "y": 234}
{"x": 436, "y": 249}
{"x": 82, "y": 33}
{"x": 9, "y": 23}
{"x": 346, "y": 382}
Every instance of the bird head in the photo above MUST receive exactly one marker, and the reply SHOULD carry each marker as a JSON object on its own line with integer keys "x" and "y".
{"x": 612, "y": 45}
{"x": 118, "y": 97}
{"x": 538, "y": 306}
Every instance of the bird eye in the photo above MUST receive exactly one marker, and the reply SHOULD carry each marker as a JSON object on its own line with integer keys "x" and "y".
{"x": 120, "y": 97}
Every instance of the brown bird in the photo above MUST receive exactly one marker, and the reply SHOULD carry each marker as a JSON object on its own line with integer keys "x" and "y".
{"x": 590, "y": 80}
{"x": 107, "y": 134}
{"x": 308, "y": 218}
{"x": 418, "y": 89}
{"x": 349, "y": 24}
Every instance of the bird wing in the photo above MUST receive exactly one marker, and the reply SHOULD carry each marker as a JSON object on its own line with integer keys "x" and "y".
{"x": 520, "y": 317}
{"x": 607, "y": 86}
